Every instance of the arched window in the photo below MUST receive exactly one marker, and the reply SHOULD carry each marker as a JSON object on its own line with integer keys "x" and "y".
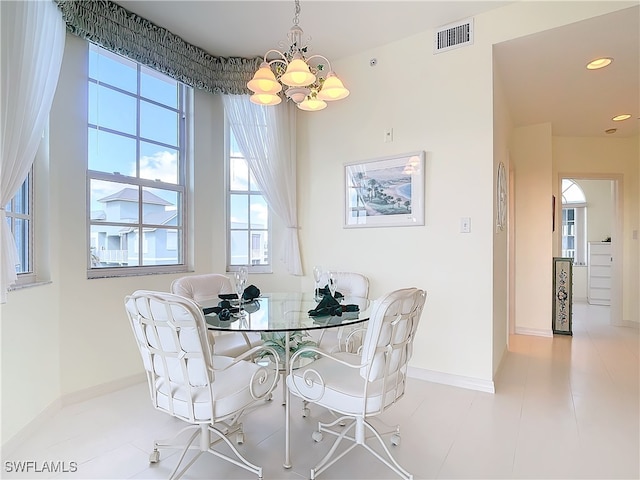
{"x": 574, "y": 222}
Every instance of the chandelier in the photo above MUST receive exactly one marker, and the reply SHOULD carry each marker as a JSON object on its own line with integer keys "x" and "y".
{"x": 310, "y": 82}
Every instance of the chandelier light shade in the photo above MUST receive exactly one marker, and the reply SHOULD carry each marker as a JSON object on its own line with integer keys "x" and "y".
{"x": 312, "y": 104}
{"x": 310, "y": 82}
{"x": 332, "y": 88}
{"x": 264, "y": 81}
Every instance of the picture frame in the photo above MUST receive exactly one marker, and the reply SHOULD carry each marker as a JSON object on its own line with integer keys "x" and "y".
{"x": 385, "y": 192}
{"x": 562, "y": 295}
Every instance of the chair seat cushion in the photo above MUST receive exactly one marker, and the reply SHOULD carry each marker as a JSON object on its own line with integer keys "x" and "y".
{"x": 341, "y": 388}
{"x": 230, "y": 391}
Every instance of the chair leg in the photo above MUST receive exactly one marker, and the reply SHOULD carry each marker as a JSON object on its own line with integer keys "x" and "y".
{"x": 393, "y": 464}
{"x": 243, "y": 463}
{"x": 187, "y": 447}
{"x": 327, "y": 461}
{"x": 359, "y": 437}
{"x": 154, "y": 457}
{"x": 205, "y": 444}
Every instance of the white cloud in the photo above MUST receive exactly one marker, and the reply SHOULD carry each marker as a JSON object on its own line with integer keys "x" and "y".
{"x": 259, "y": 214}
{"x": 160, "y": 166}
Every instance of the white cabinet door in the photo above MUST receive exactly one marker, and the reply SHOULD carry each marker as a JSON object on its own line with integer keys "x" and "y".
{"x": 599, "y": 287}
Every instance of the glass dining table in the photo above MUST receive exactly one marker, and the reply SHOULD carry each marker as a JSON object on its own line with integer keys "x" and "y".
{"x": 285, "y": 312}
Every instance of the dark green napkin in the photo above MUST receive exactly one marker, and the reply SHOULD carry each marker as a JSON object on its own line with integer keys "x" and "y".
{"x": 250, "y": 293}
{"x": 228, "y": 296}
{"x": 327, "y": 306}
{"x": 325, "y": 291}
{"x": 330, "y": 306}
{"x": 223, "y": 310}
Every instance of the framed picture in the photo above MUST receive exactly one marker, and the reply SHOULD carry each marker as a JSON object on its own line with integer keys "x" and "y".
{"x": 385, "y": 192}
{"x": 562, "y": 298}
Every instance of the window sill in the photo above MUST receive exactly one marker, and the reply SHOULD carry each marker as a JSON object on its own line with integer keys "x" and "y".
{"x": 22, "y": 286}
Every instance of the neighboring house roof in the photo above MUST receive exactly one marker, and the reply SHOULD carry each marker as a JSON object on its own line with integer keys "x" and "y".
{"x": 98, "y": 215}
{"x": 131, "y": 195}
{"x": 156, "y": 218}
{"x": 159, "y": 218}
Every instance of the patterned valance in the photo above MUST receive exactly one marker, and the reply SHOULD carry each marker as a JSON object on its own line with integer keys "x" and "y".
{"x": 118, "y": 30}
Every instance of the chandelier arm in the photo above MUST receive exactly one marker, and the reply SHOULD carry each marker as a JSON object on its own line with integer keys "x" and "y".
{"x": 282, "y": 59}
{"x": 323, "y": 58}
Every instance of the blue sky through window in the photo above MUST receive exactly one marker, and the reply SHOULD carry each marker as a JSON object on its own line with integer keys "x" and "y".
{"x": 114, "y": 107}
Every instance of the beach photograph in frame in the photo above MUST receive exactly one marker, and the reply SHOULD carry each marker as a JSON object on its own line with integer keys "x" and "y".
{"x": 385, "y": 192}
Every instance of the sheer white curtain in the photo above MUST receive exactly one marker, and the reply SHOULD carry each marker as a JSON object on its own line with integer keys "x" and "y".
{"x": 32, "y": 45}
{"x": 267, "y": 139}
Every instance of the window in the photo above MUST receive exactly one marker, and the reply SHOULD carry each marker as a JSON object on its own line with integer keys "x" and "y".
{"x": 136, "y": 168}
{"x": 20, "y": 219}
{"x": 574, "y": 243}
{"x": 247, "y": 216}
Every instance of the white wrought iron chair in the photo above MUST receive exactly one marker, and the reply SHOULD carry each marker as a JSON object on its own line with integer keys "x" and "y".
{"x": 185, "y": 380}
{"x": 359, "y": 387}
{"x": 350, "y": 284}
{"x": 206, "y": 288}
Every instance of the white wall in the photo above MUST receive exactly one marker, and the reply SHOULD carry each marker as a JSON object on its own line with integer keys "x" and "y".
{"x": 532, "y": 163}
{"x": 431, "y": 106}
{"x": 599, "y": 208}
{"x": 502, "y": 132}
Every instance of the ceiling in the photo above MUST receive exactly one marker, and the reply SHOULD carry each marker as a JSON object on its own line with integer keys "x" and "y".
{"x": 544, "y": 74}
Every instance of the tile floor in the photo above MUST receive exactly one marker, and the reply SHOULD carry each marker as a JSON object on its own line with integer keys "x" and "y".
{"x": 564, "y": 407}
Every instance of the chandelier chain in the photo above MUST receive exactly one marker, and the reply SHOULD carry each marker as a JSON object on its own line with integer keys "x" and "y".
{"x": 296, "y": 18}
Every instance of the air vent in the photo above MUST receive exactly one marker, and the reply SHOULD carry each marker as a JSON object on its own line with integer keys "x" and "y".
{"x": 454, "y": 35}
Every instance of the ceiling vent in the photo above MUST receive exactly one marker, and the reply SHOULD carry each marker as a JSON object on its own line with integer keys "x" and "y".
{"x": 454, "y": 35}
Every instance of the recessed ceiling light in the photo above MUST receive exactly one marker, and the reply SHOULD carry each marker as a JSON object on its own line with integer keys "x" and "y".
{"x": 619, "y": 118}
{"x": 599, "y": 63}
{"x": 611, "y": 130}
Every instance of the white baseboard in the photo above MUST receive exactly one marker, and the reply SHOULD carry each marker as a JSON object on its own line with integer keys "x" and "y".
{"x": 54, "y": 407}
{"x": 452, "y": 380}
{"x": 629, "y": 324}
{"x": 536, "y": 332}
{"x": 9, "y": 447}
{"x": 102, "y": 389}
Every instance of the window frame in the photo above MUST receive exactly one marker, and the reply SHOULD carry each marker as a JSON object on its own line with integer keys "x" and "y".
{"x": 184, "y": 102}
{"x": 580, "y": 235}
{"x": 252, "y": 268}
{"x": 579, "y": 205}
{"x": 28, "y": 277}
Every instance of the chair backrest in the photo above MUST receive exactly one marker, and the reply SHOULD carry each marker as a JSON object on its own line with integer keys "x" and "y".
{"x": 202, "y": 288}
{"x": 171, "y": 334}
{"x": 388, "y": 342}
{"x": 348, "y": 283}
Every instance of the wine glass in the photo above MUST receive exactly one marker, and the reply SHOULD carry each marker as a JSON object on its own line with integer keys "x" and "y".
{"x": 317, "y": 273}
{"x": 244, "y": 274}
{"x": 332, "y": 284}
{"x": 241, "y": 280}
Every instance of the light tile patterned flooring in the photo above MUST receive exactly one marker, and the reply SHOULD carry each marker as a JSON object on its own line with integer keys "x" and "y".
{"x": 564, "y": 407}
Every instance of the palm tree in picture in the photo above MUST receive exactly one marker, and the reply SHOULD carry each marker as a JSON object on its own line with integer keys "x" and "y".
{"x": 372, "y": 183}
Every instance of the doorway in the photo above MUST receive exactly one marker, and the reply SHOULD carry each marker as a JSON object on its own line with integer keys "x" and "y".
{"x": 602, "y": 222}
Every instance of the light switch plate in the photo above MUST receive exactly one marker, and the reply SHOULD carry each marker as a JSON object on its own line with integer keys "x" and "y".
{"x": 465, "y": 225}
